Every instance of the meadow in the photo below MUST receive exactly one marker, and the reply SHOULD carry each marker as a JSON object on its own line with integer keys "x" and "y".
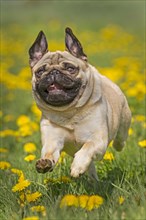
{"x": 115, "y": 45}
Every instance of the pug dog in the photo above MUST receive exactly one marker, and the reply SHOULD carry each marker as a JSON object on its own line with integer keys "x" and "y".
{"x": 82, "y": 110}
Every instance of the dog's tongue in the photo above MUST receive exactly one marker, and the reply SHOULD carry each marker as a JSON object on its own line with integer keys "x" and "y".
{"x": 54, "y": 87}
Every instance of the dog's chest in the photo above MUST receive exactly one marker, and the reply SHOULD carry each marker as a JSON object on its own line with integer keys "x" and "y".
{"x": 83, "y": 128}
{"x": 82, "y": 133}
{"x": 75, "y": 139}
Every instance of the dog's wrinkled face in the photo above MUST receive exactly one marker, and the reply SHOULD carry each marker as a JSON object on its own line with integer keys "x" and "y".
{"x": 56, "y": 75}
{"x": 56, "y": 84}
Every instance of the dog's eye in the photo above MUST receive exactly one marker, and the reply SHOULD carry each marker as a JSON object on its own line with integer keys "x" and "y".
{"x": 71, "y": 69}
{"x": 40, "y": 71}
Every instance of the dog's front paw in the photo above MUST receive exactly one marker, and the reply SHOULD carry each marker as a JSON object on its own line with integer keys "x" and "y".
{"x": 44, "y": 165}
{"x": 79, "y": 165}
{"x": 76, "y": 171}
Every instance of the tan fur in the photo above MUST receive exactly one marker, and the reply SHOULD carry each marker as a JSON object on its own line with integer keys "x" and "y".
{"x": 85, "y": 127}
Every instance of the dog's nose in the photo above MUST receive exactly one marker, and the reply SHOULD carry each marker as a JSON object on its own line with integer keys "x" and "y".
{"x": 54, "y": 72}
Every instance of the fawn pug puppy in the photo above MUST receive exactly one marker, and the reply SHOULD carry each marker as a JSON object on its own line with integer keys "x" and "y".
{"x": 78, "y": 104}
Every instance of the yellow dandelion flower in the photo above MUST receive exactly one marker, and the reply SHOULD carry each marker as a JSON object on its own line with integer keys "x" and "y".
{"x": 30, "y": 157}
{"x": 3, "y": 150}
{"x": 22, "y": 119}
{"x": 94, "y": 202}
{"x": 65, "y": 179}
{"x": 17, "y": 171}
{"x": 26, "y": 126}
{"x": 31, "y": 218}
{"x": 142, "y": 143}
{"x": 83, "y": 199}
{"x": 39, "y": 208}
{"x": 108, "y": 156}
{"x": 8, "y": 132}
{"x": 21, "y": 186}
{"x": 62, "y": 157}
{"x": 36, "y": 111}
{"x": 69, "y": 200}
{"x": 132, "y": 120}
{"x": 32, "y": 197}
{"x": 121, "y": 200}
{"x": 21, "y": 178}
{"x": 49, "y": 180}
{"x": 22, "y": 197}
{"x": 111, "y": 144}
{"x": 4, "y": 165}
{"x": 25, "y": 130}
{"x": 137, "y": 91}
{"x": 139, "y": 118}
{"x": 130, "y": 131}
{"x": 29, "y": 147}
{"x": 28, "y": 129}
{"x": 34, "y": 126}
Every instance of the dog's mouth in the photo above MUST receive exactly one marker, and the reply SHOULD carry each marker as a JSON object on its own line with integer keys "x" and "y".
{"x": 54, "y": 88}
{"x": 58, "y": 89}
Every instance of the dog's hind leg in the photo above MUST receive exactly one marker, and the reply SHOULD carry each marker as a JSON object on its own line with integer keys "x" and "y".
{"x": 92, "y": 172}
{"x": 122, "y": 133}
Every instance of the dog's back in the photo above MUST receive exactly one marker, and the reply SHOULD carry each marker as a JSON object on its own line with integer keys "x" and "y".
{"x": 119, "y": 112}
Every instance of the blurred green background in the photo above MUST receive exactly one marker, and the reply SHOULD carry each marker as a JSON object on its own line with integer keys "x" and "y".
{"x": 112, "y": 34}
{"x": 22, "y": 20}
{"x": 35, "y": 14}
{"x": 108, "y": 30}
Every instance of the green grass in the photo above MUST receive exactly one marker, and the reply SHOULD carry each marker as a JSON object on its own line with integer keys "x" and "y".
{"x": 125, "y": 175}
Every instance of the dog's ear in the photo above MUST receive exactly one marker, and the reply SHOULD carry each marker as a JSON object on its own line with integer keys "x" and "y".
{"x": 38, "y": 49}
{"x": 73, "y": 45}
